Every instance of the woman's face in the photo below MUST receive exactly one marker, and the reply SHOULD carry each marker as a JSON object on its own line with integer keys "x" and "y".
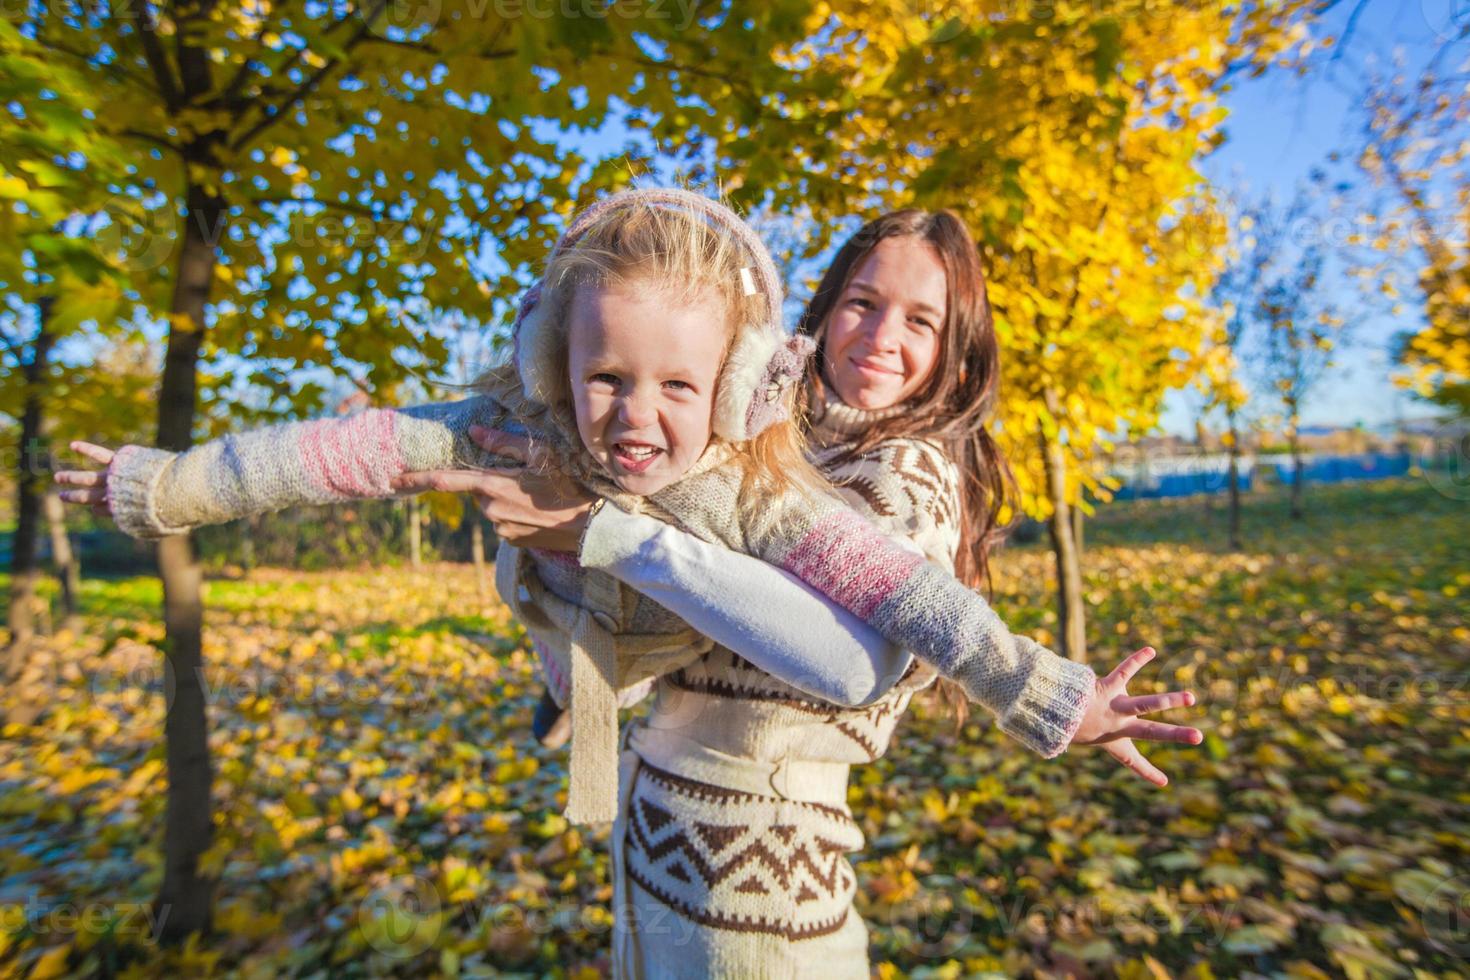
{"x": 882, "y": 338}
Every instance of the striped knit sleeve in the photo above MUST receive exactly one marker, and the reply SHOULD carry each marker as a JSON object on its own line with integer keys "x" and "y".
{"x": 153, "y": 493}
{"x": 1036, "y": 696}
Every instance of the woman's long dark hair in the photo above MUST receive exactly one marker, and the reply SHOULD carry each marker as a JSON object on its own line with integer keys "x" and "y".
{"x": 953, "y": 407}
{"x": 960, "y": 396}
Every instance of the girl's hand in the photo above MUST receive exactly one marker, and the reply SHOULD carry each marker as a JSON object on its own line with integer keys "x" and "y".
{"x": 1111, "y": 718}
{"x": 94, "y": 485}
{"x": 531, "y": 505}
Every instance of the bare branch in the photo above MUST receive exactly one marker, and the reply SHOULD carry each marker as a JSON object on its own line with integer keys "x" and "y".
{"x": 278, "y": 111}
{"x": 1347, "y": 33}
{"x": 153, "y": 138}
{"x": 147, "y": 30}
{"x": 114, "y": 69}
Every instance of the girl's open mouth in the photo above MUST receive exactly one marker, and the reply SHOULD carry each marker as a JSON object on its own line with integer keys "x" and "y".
{"x": 635, "y": 457}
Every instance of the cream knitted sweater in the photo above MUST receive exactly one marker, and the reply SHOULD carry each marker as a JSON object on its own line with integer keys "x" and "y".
{"x": 759, "y": 880}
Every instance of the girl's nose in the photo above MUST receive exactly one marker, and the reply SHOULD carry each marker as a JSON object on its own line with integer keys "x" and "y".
{"x": 637, "y": 411}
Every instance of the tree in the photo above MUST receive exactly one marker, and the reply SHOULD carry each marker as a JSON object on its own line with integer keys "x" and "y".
{"x": 1413, "y": 144}
{"x": 54, "y": 283}
{"x": 1302, "y": 329}
{"x": 1254, "y": 247}
{"x": 1068, "y": 135}
{"x": 30, "y": 477}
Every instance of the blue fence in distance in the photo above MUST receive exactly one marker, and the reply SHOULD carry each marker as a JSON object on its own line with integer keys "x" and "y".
{"x": 1185, "y": 476}
{"x": 1340, "y": 469}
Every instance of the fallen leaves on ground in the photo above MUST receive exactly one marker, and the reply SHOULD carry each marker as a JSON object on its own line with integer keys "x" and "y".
{"x": 381, "y": 807}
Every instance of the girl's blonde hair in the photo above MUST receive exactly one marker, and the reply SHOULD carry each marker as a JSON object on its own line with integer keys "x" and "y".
{"x": 684, "y": 256}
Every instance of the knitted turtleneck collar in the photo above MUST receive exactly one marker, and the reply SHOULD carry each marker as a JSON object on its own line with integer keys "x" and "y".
{"x": 834, "y": 420}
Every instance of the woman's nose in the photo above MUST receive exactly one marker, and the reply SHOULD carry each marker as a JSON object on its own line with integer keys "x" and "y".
{"x": 886, "y": 329}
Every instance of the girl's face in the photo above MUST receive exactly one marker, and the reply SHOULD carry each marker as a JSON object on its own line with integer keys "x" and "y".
{"x": 882, "y": 339}
{"x": 643, "y": 371}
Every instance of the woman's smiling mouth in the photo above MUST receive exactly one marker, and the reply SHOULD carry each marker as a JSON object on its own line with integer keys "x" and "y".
{"x": 871, "y": 368}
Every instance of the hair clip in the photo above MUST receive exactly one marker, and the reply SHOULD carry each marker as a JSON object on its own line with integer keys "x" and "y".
{"x": 747, "y": 281}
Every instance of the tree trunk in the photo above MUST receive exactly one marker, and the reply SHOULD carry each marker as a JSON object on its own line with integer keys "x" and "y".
{"x": 415, "y": 534}
{"x": 247, "y": 543}
{"x": 184, "y": 903}
{"x": 68, "y": 570}
{"x": 1296, "y": 468}
{"x": 477, "y": 545}
{"x": 1064, "y": 549}
{"x": 1234, "y": 485}
{"x": 30, "y": 477}
{"x": 1077, "y": 518}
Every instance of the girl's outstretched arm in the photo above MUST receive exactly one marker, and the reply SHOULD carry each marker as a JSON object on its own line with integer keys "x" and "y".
{"x": 152, "y": 492}
{"x": 1037, "y": 697}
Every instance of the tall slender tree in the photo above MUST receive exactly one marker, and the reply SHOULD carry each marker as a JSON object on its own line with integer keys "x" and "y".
{"x": 1302, "y": 329}
{"x": 1258, "y": 229}
{"x": 54, "y": 279}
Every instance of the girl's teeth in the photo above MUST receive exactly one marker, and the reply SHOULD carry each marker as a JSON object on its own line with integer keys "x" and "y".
{"x": 640, "y": 453}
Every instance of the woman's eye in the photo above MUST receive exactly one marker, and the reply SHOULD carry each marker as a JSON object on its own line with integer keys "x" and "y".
{"x": 920, "y": 321}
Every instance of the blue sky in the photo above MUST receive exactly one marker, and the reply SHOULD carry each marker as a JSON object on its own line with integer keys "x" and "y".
{"x": 1280, "y": 127}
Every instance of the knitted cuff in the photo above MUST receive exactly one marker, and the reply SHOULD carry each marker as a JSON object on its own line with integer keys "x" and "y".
{"x": 132, "y": 485}
{"x": 1049, "y": 710}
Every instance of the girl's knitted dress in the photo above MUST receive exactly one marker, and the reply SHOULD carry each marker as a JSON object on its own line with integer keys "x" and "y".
{"x": 735, "y": 830}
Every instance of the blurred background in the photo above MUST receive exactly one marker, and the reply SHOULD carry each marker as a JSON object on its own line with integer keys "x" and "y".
{"x": 1228, "y": 246}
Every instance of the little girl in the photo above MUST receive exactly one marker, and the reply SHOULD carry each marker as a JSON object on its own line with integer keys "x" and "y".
{"x": 650, "y": 360}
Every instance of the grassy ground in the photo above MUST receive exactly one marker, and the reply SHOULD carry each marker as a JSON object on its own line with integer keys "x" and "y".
{"x": 371, "y": 744}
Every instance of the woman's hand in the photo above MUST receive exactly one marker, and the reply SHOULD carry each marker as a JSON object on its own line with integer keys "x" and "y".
{"x": 93, "y": 492}
{"x": 1111, "y": 718}
{"x": 531, "y": 505}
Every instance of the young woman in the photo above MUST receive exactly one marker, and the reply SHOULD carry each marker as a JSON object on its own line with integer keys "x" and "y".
{"x": 735, "y": 827}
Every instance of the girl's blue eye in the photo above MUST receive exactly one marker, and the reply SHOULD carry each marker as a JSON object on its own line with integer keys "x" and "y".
{"x": 610, "y": 379}
{"x": 680, "y": 384}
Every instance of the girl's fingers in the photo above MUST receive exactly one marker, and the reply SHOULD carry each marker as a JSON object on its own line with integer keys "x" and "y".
{"x": 98, "y": 454}
{"x": 1124, "y": 671}
{"x": 501, "y": 443}
{"x": 448, "y": 481}
{"x": 1127, "y": 753}
{"x": 511, "y": 531}
{"x": 80, "y": 478}
{"x": 531, "y": 455}
{"x": 1145, "y": 703}
{"x": 94, "y": 495}
{"x": 1158, "y": 731}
